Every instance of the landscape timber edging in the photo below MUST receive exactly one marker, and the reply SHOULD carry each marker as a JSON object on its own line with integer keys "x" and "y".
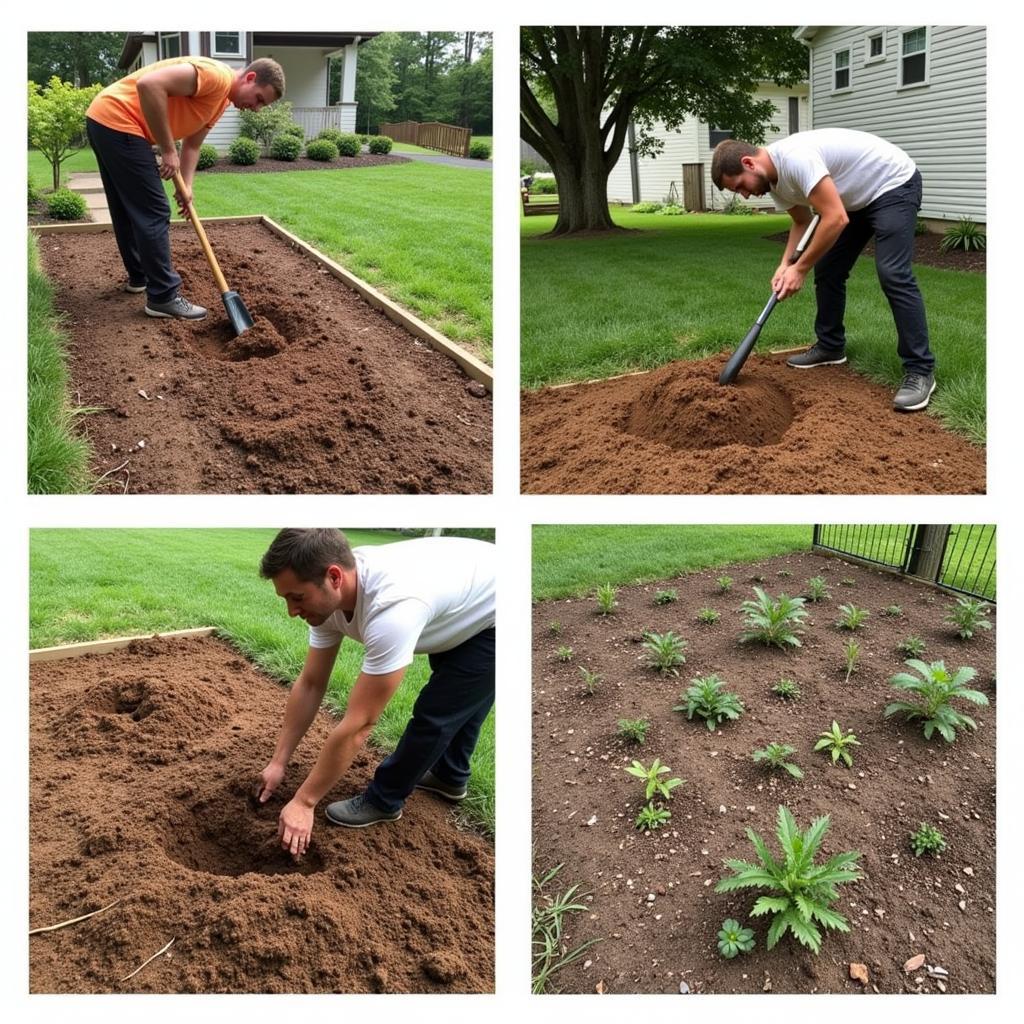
{"x": 63, "y": 651}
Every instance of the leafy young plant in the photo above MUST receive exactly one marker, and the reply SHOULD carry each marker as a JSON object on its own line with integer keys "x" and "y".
{"x": 732, "y": 939}
{"x": 665, "y": 651}
{"x": 708, "y": 616}
{"x": 934, "y": 689}
{"x": 968, "y": 616}
{"x": 773, "y": 757}
{"x": 653, "y": 783}
{"x": 564, "y": 654}
{"x": 666, "y": 597}
{"x": 550, "y": 952}
{"x": 554, "y": 628}
{"x": 817, "y": 590}
{"x": 912, "y": 646}
{"x": 651, "y": 817}
{"x": 852, "y": 616}
{"x": 800, "y": 892}
{"x": 590, "y": 680}
{"x": 786, "y": 689}
{"x": 848, "y": 581}
{"x": 964, "y": 234}
{"x": 784, "y": 573}
{"x": 773, "y": 622}
{"x": 837, "y": 742}
{"x": 852, "y": 654}
{"x": 606, "y": 599}
{"x": 892, "y": 611}
{"x": 927, "y": 839}
{"x": 634, "y": 730}
{"x": 707, "y": 699}
{"x": 724, "y": 584}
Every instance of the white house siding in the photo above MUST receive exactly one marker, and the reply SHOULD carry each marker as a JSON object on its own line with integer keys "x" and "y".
{"x": 941, "y": 124}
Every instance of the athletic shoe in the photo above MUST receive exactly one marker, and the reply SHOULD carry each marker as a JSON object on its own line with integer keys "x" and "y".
{"x": 433, "y": 784}
{"x": 131, "y": 286}
{"x": 357, "y": 812}
{"x": 914, "y": 392}
{"x": 178, "y": 308}
{"x": 816, "y": 355}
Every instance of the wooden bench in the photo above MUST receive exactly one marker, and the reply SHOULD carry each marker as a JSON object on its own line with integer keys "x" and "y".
{"x": 536, "y": 205}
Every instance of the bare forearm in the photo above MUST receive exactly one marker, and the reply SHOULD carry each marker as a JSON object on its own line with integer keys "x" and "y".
{"x": 303, "y": 704}
{"x": 825, "y": 235}
{"x": 153, "y": 102}
{"x": 335, "y": 758}
{"x": 189, "y": 162}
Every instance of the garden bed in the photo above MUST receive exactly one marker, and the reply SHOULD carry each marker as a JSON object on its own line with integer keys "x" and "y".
{"x": 324, "y": 394}
{"x": 141, "y": 764}
{"x": 266, "y": 164}
{"x": 653, "y": 905}
{"x": 928, "y": 252}
{"x": 675, "y": 430}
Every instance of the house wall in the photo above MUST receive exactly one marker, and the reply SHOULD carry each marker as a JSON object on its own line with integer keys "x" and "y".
{"x": 940, "y": 123}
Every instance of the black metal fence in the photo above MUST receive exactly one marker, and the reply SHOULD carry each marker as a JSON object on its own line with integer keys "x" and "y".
{"x": 958, "y": 557}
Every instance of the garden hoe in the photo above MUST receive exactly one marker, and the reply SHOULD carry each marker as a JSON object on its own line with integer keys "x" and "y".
{"x": 238, "y": 315}
{"x": 746, "y": 346}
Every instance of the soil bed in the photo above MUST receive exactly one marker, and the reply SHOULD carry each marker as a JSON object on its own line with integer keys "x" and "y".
{"x": 324, "y": 395}
{"x": 927, "y": 253}
{"x": 903, "y": 906}
{"x": 140, "y": 766}
{"x": 676, "y": 430}
{"x": 267, "y": 164}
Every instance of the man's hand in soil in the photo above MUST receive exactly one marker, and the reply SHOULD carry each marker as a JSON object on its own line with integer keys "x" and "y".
{"x": 295, "y": 826}
{"x": 788, "y": 281}
{"x": 270, "y": 778}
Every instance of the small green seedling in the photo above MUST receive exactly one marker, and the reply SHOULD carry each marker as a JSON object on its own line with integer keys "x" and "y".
{"x": 634, "y": 730}
{"x": 837, "y": 742}
{"x": 773, "y": 757}
{"x": 606, "y": 599}
{"x": 912, "y": 646}
{"x": 851, "y": 652}
{"x": 934, "y": 689}
{"x": 968, "y": 616}
{"x": 665, "y": 651}
{"x": 651, "y": 817}
{"x": 708, "y": 616}
{"x": 927, "y": 839}
{"x": 707, "y": 699}
{"x": 784, "y": 573}
{"x": 590, "y": 680}
{"x": 892, "y": 611}
{"x": 817, "y": 590}
{"x": 666, "y": 597}
{"x": 773, "y": 621}
{"x": 564, "y": 654}
{"x": 732, "y": 939}
{"x": 724, "y": 583}
{"x": 787, "y": 689}
{"x": 554, "y": 628}
{"x": 651, "y": 777}
{"x": 852, "y": 617}
{"x": 848, "y": 582}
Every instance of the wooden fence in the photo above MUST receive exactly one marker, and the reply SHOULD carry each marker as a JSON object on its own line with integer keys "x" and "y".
{"x": 445, "y": 138}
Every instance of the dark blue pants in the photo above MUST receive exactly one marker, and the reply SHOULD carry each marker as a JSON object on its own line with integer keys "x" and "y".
{"x": 891, "y": 219}
{"x": 445, "y": 723}
{"x": 138, "y": 208}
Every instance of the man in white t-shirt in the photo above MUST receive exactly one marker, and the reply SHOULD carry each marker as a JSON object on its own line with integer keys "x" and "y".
{"x": 861, "y": 186}
{"x": 433, "y": 596}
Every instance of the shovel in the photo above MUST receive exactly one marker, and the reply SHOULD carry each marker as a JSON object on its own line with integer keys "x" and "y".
{"x": 238, "y": 315}
{"x": 746, "y": 346}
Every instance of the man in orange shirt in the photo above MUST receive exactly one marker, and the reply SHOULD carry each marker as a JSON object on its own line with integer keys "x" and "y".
{"x": 181, "y": 98}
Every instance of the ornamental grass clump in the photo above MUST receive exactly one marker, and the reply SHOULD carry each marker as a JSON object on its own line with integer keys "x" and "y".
{"x": 836, "y": 742}
{"x": 968, "y": 616}
{"x": 773, "y": 622}
{"x": 817, "y": 590}
{"x": 666, "y": 596}
{"x": 724, "y": 584}
{"x": 852, "y": 617}
{"x": 707, "y": 699}
{"x": 606, "y": 596}
{"x": 933, "y": 690}
{"x": 665, "y": 651}
{"x": 800, "y": 892}
{"x": 732, "y": 939}
{"x": 564, "y": 654}
{"x": 652, "y": 780}
{"x": 773, "y": 757}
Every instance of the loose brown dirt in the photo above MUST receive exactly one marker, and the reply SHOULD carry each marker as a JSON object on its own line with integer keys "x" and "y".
{"x": 584, "y": 804}
{"x": 141, "y": 762}
{"x": 266, "y": 164}
{"x": 323, "y": 395}
{"x": 676, "y": 430}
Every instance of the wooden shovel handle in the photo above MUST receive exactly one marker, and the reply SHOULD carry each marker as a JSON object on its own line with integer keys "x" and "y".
{"x": 222, "y": 284}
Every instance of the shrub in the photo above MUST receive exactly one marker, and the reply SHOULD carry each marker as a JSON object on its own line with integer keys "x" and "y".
{"x": 295, "y": 129}
{"x": 479, "y": 150}
{"x": 645, "y": 208}
{"x": 665, "y": 651}
{"x": 634, "y": 730}
{"x": 66, "y": 205}
{"x": 348, "y": 144}
{"x": 606, "y": 599}
{"x": 800, "y": 891}
{"x": 927, "y": 839}
{"x": 208, "y": 156}
{"x": 773, "y": 622}
{"x": 707, "y": 699}
{"x": 653, "y": 783}
{"x": 263, "y": 125}
{"x": 724, "y": 584}
{"x": 816, "y": 589}
{"x": 708, "y": 616}
{"x": 920, "y": 226}
{"x": 732, "y": 939}
{"x": 934, "y": 689}
{"x": 853, "y": 617}
{"x": 590, "y": 680}
{"x": 786, "y": 689}
{"x": 735, "y": 206}
{"x": 528, "y": 168}
{"x": 911, "y": 645}
{"x": 331, "y": 135}
{"x": 33, "y": 193}
{"x": 380, "y": 145}
{"x": 671, "y": 210}
{"x": 773, "y": 757}
{"x": 321, "y": 149}
{"x": 964, "y": 234}
{"x": 968, "y": 616}
{"x": 286, "y": 147}
{"x": 544, "y": 187}
{"x": 836, "y": 741}
{"x": 244, "y": 151}
{"x": 651, "y": 817}
{"x": 666, "y": 597}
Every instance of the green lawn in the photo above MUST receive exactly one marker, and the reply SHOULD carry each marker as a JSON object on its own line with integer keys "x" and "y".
{"x": 90, "y": 584}
{"x": 569, "y": 561}
{"x": 686, "y": 287}
{"x": 40, "y": 173}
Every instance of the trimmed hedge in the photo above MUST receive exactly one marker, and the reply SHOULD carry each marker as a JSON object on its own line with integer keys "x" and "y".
{"x": 295, "y": 129}
{"x": 207, "y": 156}
{"x": 479, "y": 150}
{"x": 244, "y": 151}
{"x": 348, "y": 144}
{"x": 321, "y": 149}
{"x": 286, "y": 147}
{"x": 331, "y": 135}
{"x": 380, "y": 145}
{"x": 66, "y": 205}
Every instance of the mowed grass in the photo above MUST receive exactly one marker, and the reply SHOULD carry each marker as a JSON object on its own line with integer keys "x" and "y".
{"x": 690, "y": 286}
{"x": 91, "y": 584}
{"x": 569, "y": 561}
{"x": 41, "y": 174}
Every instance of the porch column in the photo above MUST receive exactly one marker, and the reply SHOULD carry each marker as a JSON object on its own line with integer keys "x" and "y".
{"x": 348, "y": 74}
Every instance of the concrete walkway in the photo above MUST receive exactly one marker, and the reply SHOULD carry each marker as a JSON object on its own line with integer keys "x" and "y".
{"x": 449, "y": 161}
{"x": 89, "y": 186}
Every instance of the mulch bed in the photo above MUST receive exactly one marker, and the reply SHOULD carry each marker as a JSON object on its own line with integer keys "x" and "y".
{"x": 266, "y": 164}
{"x": 927, "y": 253}
{"x": 675, "y": 430}
{"x": 324, "y": 394}
{"x": 141, "y": 765}
{"x": 584, "y": 804}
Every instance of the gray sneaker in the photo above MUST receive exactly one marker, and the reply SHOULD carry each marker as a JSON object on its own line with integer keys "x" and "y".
{"x": 914, "y": 392}
{"x": 357, "y": 812}
{"x": 433, "y": 784}
{"x": 816, "y": 355}
{"x": 178, "y": 308}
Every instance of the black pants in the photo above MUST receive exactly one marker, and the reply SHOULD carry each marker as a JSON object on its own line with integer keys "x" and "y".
{"x": 138, "y": 208}
{"x": 891, "y": 218}
{"x": 445, "y": 723}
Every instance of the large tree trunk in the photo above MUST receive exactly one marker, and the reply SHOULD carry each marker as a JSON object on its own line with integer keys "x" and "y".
{"x": 582, "y": 195}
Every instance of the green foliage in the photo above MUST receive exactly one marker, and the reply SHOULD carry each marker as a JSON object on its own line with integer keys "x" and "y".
{"x": 554, "y": 628}
{"x": 800, "y": 891}
{"x": 892, "y": 611}
{"x": 848, "y": 581}
{"x": 348, "y": 144}
{"x": 735, "y": 207}
{"x": 263, "y": 125}
{"x": 56, "y": 120}
{"x": 208, "y": 156}
{"x": 379, "y": 145}
{"x": 732, "y": 939}
{"x": 784, "y": 574}
{"x": 590, "y": 680}
{"x": 934, "y": 689}
{"x": 286, "y": 147}
{"x": 645, "y": 208}
{"x": 773, "y": 757}
{"x": 851, "y": 652}
{"x": 332, "y": 135}
{"x": 479, "y": 150}
{"x": 33, "y": 194}
{"x": 606, "y": 596}
{"x": 549, "y": 950}
{"x": 321, "y": 149}
{"x": 544, "y": 187}
{"x": 920, "y": 226}
{"x": 651, "y": 817}
{"x": 671, "y": 210}
{"x": 817, "y": 590}
{"x": 666, "y": 596}
{"x": 708, "y": 616}
{"x": 927, "y": 839}
{"x": 852, "y": 616}
{"x": 564, "y": 654}
{"x": 837, "y": 743}
{"x": 724, "y": 584}
{"x": 964, "y": 234}
{"x": 968, "y": 615}
{"x": 773, "y": 622}
{"x": 707, "y": 698}
{"x": 295, "y": 129}
{"x": 244, "y": 151}
{"x": 911, "y": 645}
{"x": 665, "y": 651}
{"x": 786, "y": 689}
{"x": 634, "y": 730}
{"x": 651, "y": 777}
{"x": 66, "y": 205}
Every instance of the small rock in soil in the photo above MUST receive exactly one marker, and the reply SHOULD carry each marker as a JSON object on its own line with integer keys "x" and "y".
{"x": 859, "y": 972}
{"x": 913, "y": 963}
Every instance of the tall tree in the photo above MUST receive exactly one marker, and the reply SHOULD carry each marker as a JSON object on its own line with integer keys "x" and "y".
{"x": 81, "y": 58}
{"x": 600, "y": 79}
{"x": 375, "y": 80}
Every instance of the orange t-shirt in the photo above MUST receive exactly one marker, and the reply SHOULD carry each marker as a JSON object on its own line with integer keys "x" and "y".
{"x": 118, "y": 105}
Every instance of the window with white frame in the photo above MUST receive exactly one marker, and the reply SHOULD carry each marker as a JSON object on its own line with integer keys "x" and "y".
{"x": 717, "y": 135}
{"x": 226, "y": 44}
{"x": 914, "y": 56}
{"x": 874, "y": 47}
{"x": 170, "y": 44}
{"x": 840, "y": 70}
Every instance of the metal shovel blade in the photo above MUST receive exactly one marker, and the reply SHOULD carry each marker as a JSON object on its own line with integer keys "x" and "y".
{"x": 238, "y": 315}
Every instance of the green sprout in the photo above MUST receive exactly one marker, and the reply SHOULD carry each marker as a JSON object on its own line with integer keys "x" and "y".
{"x": 836, "y": 742}
{"x": 732, "y": 939}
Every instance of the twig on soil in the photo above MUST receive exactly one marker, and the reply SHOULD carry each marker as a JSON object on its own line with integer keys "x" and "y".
{"x": 159, "y": 952}
{"x": 115, "y": 469}
{"x": 74, "y": 920}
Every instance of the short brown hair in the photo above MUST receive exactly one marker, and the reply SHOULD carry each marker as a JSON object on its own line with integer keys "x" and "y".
{"x": 308, "y": 553}
{"x": 726, "y": 159}
{"x": 268, "y": 72}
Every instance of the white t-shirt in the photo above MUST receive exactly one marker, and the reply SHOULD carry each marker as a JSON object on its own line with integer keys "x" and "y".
{"x": 862, "y": 166}
{"x": 419, "y": 596}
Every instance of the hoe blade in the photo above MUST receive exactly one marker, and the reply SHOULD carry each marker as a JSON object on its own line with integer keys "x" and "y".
{"x": 238, "y": 315}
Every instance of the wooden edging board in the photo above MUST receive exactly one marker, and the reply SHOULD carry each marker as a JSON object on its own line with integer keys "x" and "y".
{"x": 103, "y": 646}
